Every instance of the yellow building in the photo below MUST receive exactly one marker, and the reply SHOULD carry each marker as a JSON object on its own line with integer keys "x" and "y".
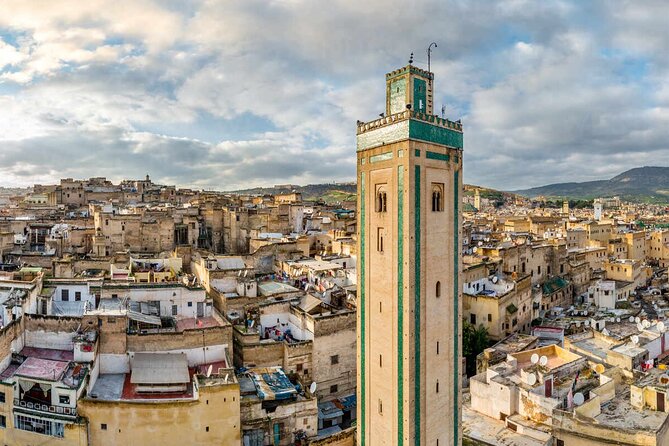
{"x": 409, "y": 301}
{"x": 207, "y": 413}
{"x": 658, "y": 247}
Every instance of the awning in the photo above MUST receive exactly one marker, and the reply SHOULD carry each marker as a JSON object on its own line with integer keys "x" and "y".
{"x": 144, "y": 318}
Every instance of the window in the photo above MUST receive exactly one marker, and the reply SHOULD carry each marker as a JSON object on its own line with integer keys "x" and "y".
{"x": 437, "y": 386}
{"x": 437, "y": 347}
{"x": 77, "y": 296}
{"x": 38, "y": 425}
{"x": 64, "y": 399}
{"x": 334, "y": 388}
{"x": 65, "y": 295}
{"x": 472, "y": 319}
{"x": 437, "y": 197}
{"x": 103, "y": 426}
{"x": 539, "y": 269}
{"x": 3, "y": 421}
{"x": 380, "y": 407}
{"x": 379, "y": 239}
{"x": 438, "y": 289}
{"x": 2, "y": 397}
{"x": 560, "y": 443}
{"x": 175, "y": 309}
{"x": 380, "y": 360}
{"x": 381, "y": 201}
{"x": 207, "y": 428}
{"x": 334, "y": 359}
{"x": 299, "y": 367}
{"x": 190, "y": 304}
{"x": 489, "y": 317}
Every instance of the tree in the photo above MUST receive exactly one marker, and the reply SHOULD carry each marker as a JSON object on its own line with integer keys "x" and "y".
{"x": 474, "y": 341}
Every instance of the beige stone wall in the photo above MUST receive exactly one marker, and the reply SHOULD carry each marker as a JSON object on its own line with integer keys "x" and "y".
{"x": 335, "y": 336}
{"x": 213, "y": 419}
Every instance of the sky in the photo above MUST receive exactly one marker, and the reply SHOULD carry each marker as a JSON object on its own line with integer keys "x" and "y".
{"x": 233, "y": 94}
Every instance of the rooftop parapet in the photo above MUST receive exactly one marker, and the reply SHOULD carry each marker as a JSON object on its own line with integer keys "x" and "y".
{"x": 408, "y": 114}
{"x": 412, "y": 69}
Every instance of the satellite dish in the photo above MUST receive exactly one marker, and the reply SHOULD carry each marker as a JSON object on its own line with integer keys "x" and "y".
{"x": 495, "y": 279}
{"x": 646, "y": 324}
{"x": 637, "y": 319}
{"x": 617, "y": 319}
{"x": 474, "y": 249}
{"x": 543, "y": 361}
{"x": 209, "y": 369}
{"x": 586, "y": 323}
{"x": 534, "y": 358}
{"x": 599, "y": 368}
{"x": 531, "y": 379}
{"x": 631, "y": 319}
{"x": 312, "y": 387}
{"x": 579, "y": 398}
{"x": 639, "y": 326}
{"x": 661, "y": 326}
{"x": 635, "y": 339}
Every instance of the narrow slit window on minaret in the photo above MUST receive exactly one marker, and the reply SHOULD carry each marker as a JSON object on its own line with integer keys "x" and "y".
{"x": 379, "y": 240}
{"x": 438, "y": 289}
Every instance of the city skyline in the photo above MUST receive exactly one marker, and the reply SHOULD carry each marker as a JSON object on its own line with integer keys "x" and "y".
{"x": 199, "y": 97}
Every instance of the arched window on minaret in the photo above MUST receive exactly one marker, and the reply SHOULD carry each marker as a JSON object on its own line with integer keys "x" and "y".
{"x": 438, "y": 289}
{"x": 437, "y": 198}
{"x": 381, "y": 201}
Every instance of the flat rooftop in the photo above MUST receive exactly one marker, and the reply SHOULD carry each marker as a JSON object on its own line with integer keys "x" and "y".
{"x": 619, "y": 413}
{"x": 486, "y": 430}
{"x": 42, "y": 369}
{"x": 117, "y": 387}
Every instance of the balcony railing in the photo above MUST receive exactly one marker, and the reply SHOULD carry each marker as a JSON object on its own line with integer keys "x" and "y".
{"x": 46, "y": 408}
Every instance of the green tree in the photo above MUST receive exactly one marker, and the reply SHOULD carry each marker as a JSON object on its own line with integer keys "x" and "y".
{"x": 474, "y": 341}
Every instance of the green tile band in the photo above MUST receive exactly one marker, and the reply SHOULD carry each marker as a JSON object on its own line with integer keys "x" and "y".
{"x": 400, "y": 305}
{"x": 363, "y": 386}
{"x": 437, "y": 156}
{"x": 417, "y": 356}
{"x": 381, "y": 157}
{"x": 456, "y": 319}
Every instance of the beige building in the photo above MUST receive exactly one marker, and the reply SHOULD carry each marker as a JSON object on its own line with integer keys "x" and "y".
{"x": 502, "y": 306}
{"x": 627, "y": 271}
{"x": 636, "y": 244}
{"x": 658, "y": 247}
{"x": 409, "y": 302}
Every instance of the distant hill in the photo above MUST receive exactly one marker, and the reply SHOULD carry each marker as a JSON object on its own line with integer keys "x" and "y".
{"x": 645, "y": 184}
{"x": 330, "y": 193}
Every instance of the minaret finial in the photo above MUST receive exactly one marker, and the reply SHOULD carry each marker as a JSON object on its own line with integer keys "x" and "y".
{"x": 411, "y": 58}
{"x": 429, "y": 51}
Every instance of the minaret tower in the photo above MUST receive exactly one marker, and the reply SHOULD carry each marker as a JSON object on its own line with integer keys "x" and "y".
{"x": 409, "y": 299}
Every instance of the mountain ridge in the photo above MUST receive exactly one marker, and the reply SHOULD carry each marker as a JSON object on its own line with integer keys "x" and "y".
{"x": 647, "y": 183}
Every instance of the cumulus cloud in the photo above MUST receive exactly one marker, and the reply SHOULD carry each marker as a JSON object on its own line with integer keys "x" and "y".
{"x": 226, "y": 94}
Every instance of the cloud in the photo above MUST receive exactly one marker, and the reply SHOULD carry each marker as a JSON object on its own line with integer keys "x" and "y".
{"x": 228, "y": 94}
